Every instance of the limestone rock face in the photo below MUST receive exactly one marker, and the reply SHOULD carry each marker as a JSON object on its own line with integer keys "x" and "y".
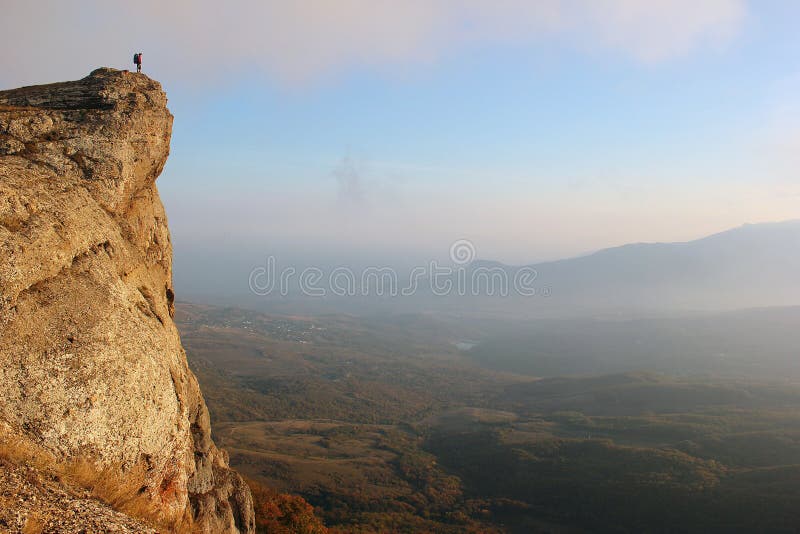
{"x": 91, "y": 363}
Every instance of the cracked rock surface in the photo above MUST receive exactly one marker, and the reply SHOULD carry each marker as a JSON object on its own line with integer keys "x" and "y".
{"x": 91, "y": 363}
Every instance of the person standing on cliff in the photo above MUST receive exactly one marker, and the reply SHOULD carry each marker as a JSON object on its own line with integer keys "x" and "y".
{"x": 137, "y": 60}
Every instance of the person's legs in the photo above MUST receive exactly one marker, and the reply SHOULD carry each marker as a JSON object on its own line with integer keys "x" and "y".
{"x": 138, "y": 67}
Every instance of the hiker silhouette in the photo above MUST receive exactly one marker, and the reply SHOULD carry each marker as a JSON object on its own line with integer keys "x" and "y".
{"x": 137, "y": 60}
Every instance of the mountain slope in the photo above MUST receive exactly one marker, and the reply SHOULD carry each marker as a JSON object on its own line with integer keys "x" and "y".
{"x": 749, "y": 266}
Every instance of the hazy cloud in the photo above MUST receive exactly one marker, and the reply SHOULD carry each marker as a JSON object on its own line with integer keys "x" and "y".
{"x": 348, "y": 178}
{"x": 299, "y": 41}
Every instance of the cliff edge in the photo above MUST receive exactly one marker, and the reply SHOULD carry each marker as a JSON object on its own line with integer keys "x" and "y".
{"x": 91, "y": 363}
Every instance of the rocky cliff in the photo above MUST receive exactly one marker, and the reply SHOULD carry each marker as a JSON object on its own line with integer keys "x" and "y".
{"x": 91, "y": 363}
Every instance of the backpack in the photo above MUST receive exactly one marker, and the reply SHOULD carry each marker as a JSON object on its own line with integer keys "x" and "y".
{"x": 137, "y": 58}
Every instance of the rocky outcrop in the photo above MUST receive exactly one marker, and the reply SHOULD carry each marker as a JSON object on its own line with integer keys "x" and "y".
{"x": 91, "y": 363}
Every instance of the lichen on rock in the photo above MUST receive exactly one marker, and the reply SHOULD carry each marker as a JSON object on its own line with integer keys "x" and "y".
{"x": 91, "y": 363}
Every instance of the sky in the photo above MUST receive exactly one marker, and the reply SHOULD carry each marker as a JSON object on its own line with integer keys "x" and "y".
{"x": 323, "y": 131}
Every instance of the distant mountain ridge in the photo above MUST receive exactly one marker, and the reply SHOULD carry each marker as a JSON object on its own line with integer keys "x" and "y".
{"x": 749, "y": 266}
{"x": 791, "y": 226}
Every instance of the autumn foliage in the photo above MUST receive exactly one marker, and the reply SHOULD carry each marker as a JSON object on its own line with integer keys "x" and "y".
{"x": 281, "y": 513}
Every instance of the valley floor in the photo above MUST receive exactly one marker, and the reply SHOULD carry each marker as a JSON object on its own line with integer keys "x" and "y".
{"x": 384, "y": 425}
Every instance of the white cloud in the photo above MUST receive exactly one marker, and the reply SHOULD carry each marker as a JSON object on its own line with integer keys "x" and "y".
{"x": 300, "y": 41}
{"x": 655, "y": 30}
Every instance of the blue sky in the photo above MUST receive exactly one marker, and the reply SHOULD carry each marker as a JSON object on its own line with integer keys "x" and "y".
{"x": 386, "y": 130}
